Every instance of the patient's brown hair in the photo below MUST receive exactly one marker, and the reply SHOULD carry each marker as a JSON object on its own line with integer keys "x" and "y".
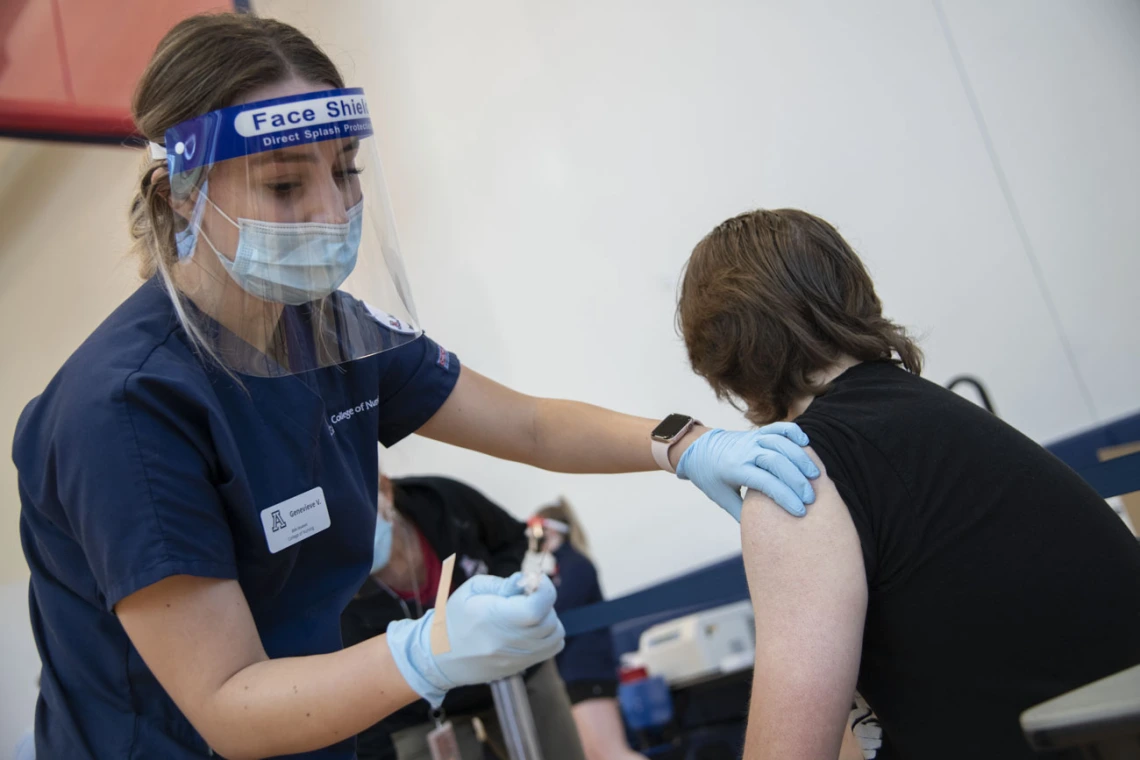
{"x": 769, "y": 298}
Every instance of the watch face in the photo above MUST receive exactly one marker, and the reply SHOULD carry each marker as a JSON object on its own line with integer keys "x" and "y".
{"x": 670, "y": 427}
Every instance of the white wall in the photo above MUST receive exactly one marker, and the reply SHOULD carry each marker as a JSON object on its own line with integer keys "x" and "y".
{"x": 552, "y": 165}
{"x": 1059, "y": 85}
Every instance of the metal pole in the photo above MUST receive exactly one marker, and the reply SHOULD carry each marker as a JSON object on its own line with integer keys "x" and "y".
{"x": 516, "y": 719}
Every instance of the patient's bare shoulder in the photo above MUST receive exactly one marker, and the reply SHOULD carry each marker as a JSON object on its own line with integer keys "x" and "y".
{"x": 809, "y": 593}
{"x": 775, "y": 539}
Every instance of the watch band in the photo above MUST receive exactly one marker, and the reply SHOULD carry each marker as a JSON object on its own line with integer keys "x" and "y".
{"x": 661, "y": 455}
{"x": 661, "y": 448}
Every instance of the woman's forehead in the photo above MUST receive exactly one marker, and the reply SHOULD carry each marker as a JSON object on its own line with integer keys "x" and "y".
{"x": 313, "y": 153}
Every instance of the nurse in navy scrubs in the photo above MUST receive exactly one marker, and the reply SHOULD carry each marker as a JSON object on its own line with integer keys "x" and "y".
{"x": 198, "y": 482}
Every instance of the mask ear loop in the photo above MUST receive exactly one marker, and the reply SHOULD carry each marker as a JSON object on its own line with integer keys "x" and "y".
{"x": 186, "y": 244}
{"x": 219, "y": 210}
{"x": 186, "y": 239}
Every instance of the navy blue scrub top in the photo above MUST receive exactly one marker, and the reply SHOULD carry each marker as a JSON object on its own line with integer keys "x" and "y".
{"x": 587, "y": 663}
{"x": 138, "y": 462}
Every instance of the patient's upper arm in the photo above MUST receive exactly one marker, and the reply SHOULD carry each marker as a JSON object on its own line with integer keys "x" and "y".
{"x": 809, "y": 593}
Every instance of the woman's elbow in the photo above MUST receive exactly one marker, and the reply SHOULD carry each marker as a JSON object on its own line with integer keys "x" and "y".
{"x": 227, "y": 734}
{"x": 225, "y": 742}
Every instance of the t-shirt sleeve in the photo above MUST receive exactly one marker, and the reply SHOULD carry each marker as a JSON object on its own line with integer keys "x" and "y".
{"x": 842, "y": 450}
{"x": 415, "y": 379}
{"x": 136, "y": 484}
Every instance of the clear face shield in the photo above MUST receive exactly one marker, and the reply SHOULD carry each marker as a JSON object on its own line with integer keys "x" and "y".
{"x": 287, "y": 253}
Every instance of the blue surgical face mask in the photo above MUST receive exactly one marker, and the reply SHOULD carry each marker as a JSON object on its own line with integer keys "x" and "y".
{"x": 293, "y": 263}
{"x": 381, "y": 545}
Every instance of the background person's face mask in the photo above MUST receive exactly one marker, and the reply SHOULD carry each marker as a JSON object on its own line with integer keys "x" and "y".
{"x": 382, "y": 541}
{"x": 381, "y": 546}
{"x": 289, "y": 262}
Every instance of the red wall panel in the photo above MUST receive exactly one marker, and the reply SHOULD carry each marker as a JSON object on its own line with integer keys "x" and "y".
{"x": 68, "y": 67}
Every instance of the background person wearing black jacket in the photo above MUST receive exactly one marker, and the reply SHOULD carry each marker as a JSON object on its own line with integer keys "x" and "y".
{"x": 433, "y": 518}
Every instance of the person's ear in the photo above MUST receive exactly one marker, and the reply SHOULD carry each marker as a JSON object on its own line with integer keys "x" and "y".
{"x": 184, "y": 201}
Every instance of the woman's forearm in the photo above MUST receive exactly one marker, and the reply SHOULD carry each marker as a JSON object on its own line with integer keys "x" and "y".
{"x": 298, "y": 704}
{"x": 574, "y": 437}
{"x": 557, "y": 435}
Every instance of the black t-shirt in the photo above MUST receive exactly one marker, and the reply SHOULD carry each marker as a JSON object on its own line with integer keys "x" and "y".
{"x": 454, "y": 518}
{"x": 997, "y": 577}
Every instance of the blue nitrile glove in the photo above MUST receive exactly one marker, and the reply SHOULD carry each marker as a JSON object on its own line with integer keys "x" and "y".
{"x": 495, "y": 630}
{"x": 769, "y": 460}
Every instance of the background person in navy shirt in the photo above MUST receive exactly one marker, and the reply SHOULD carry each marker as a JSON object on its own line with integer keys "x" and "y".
{"x": 587, "y": 664}
{"x": 198, "y": 481}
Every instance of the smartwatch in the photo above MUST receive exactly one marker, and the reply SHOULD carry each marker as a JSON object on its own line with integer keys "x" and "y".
{"x": 669, "y": 431}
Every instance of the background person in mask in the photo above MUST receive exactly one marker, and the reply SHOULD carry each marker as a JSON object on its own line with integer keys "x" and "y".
{"x": 198, "y": 481}
{"x": 423, "y": 520}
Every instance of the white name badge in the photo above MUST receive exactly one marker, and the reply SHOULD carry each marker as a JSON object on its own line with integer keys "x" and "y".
{"x": 296, "y": 519}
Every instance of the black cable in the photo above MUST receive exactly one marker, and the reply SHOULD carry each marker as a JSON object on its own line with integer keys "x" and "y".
{"x": 978, "y": 386}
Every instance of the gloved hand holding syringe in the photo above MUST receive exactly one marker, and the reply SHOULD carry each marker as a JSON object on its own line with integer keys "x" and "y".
{"x": 490, "y": 630}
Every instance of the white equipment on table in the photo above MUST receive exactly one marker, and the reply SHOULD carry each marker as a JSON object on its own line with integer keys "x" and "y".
{"x": 709, "y": 643}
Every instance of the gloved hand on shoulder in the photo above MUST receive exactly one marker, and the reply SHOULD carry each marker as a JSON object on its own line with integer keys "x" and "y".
{"x": 769, "y": 459}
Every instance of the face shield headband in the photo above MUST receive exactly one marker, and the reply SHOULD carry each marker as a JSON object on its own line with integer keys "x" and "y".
{"x": 252, "y": 128}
